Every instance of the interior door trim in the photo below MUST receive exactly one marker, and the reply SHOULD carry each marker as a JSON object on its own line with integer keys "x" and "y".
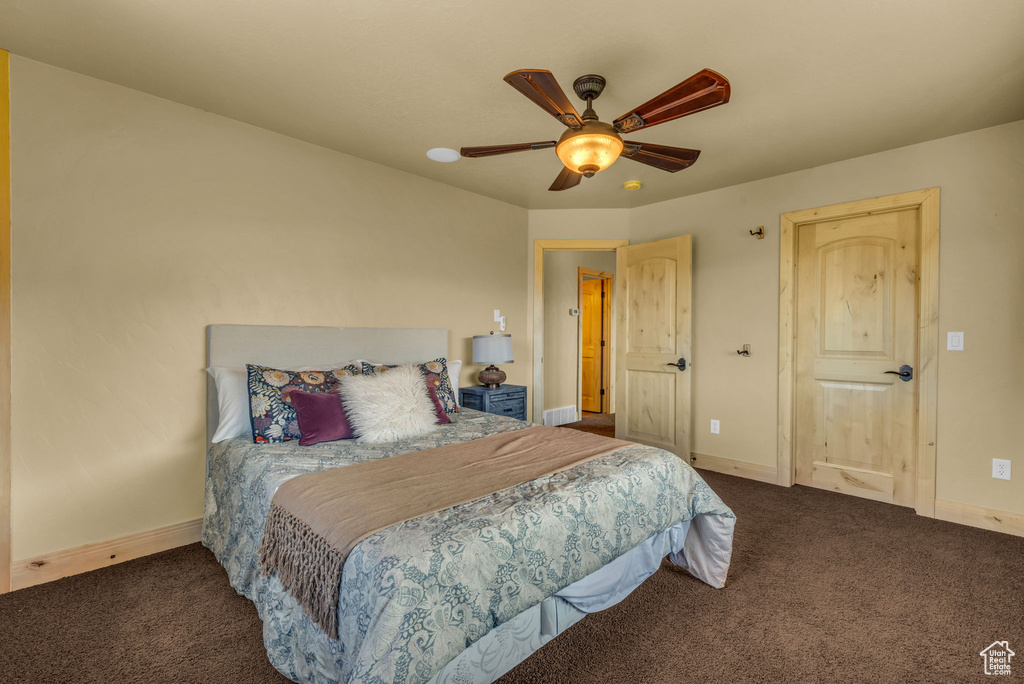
{"x": 927, "y": 202}
{"x": 5, "y": 323}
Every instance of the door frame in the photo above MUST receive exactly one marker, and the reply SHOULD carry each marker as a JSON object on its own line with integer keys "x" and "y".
{"x": 539, "y": 247}
{"x": 606, "y": 331}
{"x": 927, "y": 203}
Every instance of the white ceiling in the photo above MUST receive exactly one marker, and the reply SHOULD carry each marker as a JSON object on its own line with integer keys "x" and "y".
{"x": 813, "y": 81}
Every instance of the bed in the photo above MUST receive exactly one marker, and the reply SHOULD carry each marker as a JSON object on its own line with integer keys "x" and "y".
{"x": 465, "y": 594}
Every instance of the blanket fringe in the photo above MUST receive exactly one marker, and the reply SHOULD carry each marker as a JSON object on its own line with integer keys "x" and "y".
{"x": 307, "y": 566}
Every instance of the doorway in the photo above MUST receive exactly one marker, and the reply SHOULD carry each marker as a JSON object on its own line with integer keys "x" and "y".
{"x": 546, "y": 251}
{"x": 568, "y": 298}
{"x": 595, "y": 290}
{"x": 858, "y": 347}
{"x": 650, "y": 378}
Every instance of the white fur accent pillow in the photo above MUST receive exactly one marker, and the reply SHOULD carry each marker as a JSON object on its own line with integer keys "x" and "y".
{"x": 386, "y": 407}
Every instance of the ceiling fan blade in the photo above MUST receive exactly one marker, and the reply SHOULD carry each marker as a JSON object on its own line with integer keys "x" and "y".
{"x": 566, "y": 179}
{"x": 491, "y": 150}
{"x": 703, "y": 90}
{"x": 662, "y": 157}
{"x": 541, "y": 87}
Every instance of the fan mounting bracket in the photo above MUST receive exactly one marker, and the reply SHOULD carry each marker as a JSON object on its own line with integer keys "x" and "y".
{"x": 589, "y": 87}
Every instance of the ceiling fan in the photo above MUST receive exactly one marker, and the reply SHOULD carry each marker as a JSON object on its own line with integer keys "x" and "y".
{"x": 590, "y": 145}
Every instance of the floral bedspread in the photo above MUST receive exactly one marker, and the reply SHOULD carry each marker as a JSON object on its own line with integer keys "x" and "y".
{"x": 416, "y": 594}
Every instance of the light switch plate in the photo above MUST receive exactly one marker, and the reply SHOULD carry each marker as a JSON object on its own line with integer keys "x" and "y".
{"x": 497, "y": 315}
{"x": 954, "y": 341}
{"x": 715, "y": 427}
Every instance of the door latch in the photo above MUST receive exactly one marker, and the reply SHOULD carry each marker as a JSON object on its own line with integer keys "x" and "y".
{"x": 680, "y": 364}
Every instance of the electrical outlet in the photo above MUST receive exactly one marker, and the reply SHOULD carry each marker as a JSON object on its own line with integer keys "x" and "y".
{"x": 497, "y": 315}
{"x": 714, "y": 427}
{"x": 1000, "y": 468}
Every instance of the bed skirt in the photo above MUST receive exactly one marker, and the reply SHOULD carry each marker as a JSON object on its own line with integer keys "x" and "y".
{"x": 701, "y": 545}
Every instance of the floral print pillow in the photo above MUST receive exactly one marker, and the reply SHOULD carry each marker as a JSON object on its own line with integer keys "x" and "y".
{"x": 273, "y": 418}
{"x": 436, "y": 374}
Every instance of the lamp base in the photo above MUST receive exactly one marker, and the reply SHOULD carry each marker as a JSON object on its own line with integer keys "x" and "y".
{"x": 491, "y": 377}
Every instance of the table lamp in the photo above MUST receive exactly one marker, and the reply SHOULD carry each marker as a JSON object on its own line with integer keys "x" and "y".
{"x": 492, "y": 349}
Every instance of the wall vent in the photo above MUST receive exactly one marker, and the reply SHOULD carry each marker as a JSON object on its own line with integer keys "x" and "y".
{"x": 560, "y": 416}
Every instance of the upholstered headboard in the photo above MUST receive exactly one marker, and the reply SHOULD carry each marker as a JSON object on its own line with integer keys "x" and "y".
{"x": 285, "y": 346}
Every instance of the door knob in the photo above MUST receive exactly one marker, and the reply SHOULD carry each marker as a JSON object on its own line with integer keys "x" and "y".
{"x": 680, "y": 364}
{"x": 905, "y": 372}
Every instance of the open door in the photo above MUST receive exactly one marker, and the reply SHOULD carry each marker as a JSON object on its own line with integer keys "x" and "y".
{"x": 591, "y": 343}
{"x": 595, "y": 298}
{"x": 652, "y": 344}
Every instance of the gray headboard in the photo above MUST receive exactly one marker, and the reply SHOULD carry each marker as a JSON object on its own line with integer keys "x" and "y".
{"x": 285, "y": 346}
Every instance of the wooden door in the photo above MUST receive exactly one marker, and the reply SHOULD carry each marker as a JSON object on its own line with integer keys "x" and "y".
{"x": 652, "y": 334}
{"x": 591, "y": 313}
{"x": 857, "y": 281}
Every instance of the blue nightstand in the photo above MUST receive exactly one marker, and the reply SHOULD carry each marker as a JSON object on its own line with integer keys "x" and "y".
{"x": 507, "y": 400}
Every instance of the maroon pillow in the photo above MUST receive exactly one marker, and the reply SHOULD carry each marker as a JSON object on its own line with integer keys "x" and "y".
{"x": 442, "y": 415}
{"x": 321, "y": 417}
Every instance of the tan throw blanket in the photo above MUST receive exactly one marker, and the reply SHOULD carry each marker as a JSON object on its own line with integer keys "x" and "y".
{"x": 316, "y": 520}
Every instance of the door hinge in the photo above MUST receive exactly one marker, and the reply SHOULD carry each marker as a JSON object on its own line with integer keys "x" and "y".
{"x": 602, "y": 393}
{"x": 602, "y": 294}
{"x": 602, "y": 343}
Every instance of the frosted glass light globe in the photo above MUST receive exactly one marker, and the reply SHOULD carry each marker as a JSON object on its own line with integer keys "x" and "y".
{"x": 590, "y": 149}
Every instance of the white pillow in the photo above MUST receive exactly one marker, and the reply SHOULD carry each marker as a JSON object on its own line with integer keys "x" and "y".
{"x": 233, "y": 398}
{"x": 232, "y": 402}
{"x": 454, "y": 369}
{"x": 386, "y": 407}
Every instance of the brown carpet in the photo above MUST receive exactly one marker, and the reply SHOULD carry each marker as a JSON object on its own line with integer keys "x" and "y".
{"x": 823, "y": 588}
{"x": 598, "y": 423}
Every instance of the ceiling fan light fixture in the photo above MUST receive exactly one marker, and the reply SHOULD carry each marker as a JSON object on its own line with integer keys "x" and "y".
{"x": 590, "y": 145}
{"x": 590, "y": 149}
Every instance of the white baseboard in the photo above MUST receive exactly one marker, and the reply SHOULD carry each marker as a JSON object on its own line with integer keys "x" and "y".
{"x": 560, "y": 416}
{"x": 751, "y": 471}
{"x": 977, "y": 516}
{"x": 53, "y": 566}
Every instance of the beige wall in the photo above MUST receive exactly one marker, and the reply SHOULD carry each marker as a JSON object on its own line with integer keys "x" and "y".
{"x": 137, "y": 222}
{"x": 561, "y": 331}
{"x": 568, "y": 224}
{"x": 735, "y": 281}
{"x": 981, "y": 292}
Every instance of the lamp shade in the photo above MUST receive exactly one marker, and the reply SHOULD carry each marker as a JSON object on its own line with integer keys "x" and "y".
{"x": 492, "y": 349}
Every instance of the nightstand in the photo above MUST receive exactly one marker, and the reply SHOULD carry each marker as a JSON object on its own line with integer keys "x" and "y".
{"x": 507, "y": 400}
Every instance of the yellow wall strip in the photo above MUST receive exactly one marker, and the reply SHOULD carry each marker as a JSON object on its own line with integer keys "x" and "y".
{"x": 5, "y": 322}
